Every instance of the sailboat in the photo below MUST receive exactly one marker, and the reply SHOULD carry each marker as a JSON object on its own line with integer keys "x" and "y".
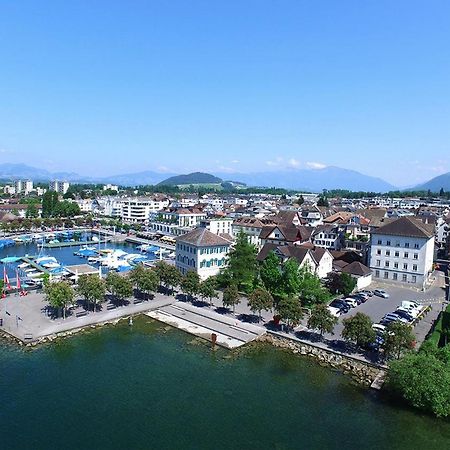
{"x": 22, "y": 292}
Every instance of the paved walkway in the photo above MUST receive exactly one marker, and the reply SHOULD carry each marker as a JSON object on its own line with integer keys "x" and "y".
{"x": 25, "y": 317}
{"x": 203, "y": 322}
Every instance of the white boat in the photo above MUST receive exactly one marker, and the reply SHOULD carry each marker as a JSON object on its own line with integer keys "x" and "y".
{"x": 51, "y": 265}
{"x": 23, "y": 265}
{"x": 46, "y": 260}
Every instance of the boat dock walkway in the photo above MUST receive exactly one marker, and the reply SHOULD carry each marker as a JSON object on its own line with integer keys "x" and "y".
{"x": 202, "y": 322}
{"x": 74, "y": 243}
{"x": 35, "y": 265}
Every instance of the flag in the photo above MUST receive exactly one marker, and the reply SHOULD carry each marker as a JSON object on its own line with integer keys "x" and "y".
{"x": 19, "y": 287}
{"x": 6, "y": 279}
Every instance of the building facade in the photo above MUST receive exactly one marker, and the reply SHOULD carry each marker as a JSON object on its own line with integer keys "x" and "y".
{"x": 402, "y": 252}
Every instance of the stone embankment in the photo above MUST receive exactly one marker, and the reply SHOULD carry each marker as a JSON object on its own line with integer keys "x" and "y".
{"x": 361, "y": 372}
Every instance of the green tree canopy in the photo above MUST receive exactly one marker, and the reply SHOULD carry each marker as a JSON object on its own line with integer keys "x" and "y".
{"x": 358, "y": 328}
{"x": 59, "y": 294}
{"x": 398, "y": 337}
{"x": 190, "y": 284}
{"x": 321, "y": 319}
{"x": 92, "y": 288}
{"x": 423, "y": 379}
{"x": 270, "y": 273}
{"x": 208, "y": 289}
{"x": 311, "y": 290}
{"x": 289, "y": 310}
{"x": 340, "y": 283}
{"x": 231, "y": 297}
{"x": 148, "y": 282}
{"x": 260, "y": 300}
{"x": 242, "y": 264}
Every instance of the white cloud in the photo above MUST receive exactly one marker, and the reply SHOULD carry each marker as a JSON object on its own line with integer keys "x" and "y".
{"x": 294, "y": 163}
{"x": 315, "y": 165}
{"x": 276, "y": 162}
{"x": 163, "y": 169}
{"x": 235, "y": 161}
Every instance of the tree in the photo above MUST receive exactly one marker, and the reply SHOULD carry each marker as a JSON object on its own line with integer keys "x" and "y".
{"x": 242, "y": 263}
{"x": 231, "y": 297}
{"x": 290, "y": 281}
{"x": 208, "y": 289}
{"x": 92, "y": 288}
{"x": 168, "y": 274}
{"x": 340, "y": 283}
{"x": 323, "y": 202}
{"x": 397, "y": 338}
{"x": 148, "y": 282}
{"x": 59, "y": 294}
{"x": 270, "y": 273}
{"x": 423, "y": 379}
{"x": 358, "y": 328}
{"x": 289, "y": 310}
{"x": 49, "y": 202}
{"x": 321, "y": 319}
{"x": 260, "y": 300}
{"x": 119, "y": 287}
{"x": 32, "y": 211}
{"x": 190, "y": 284}
{"x": 311, "y": 290}
{"x": 136, "y": 274}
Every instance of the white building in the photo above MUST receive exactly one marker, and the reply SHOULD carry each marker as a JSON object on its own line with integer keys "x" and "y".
{"x": 201, "y": 251}
{"x": 111, "y": 187}
{"x": 402, "y": 251}
{"x": 176, "y": 221}
{"x": 61, "y": 187}
{"x": 139, "y": 209}
{"x": 218, "y": 226}
{"x": 327, "y": 236}
{"x": 23, "y": 186}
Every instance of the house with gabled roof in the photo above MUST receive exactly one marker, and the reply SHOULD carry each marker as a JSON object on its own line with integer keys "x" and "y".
{"x": 402, "y": 251}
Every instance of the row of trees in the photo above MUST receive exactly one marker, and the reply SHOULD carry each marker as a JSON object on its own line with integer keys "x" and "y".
{"x": 52, "y": 207}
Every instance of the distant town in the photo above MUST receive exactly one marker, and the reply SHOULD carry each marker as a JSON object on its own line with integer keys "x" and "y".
{"x": 249, "y": 264}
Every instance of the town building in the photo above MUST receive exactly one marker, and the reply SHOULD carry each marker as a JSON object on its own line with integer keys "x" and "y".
{"x": 201, "y": 251}
{"x": 61, "y": 187}
{"x": 23, "y": 186}
{"x": 402, "y": 251}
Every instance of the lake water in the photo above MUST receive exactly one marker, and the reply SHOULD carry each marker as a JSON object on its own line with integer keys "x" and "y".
{"x": 148, "y": 387}
{"x": 64, "y": 255}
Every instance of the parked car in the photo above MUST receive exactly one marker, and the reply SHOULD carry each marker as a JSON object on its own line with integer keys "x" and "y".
{"x": 344, "y": 307}
{"x": 379, "y": 328}
{"x": 381, "y": 293}
{"x": 360, "y": 298}
{"x": 351, "y": 302}
{"x": 366, "y": 292}
{"x": 392, "y": 317}
{"x": 405, "y": 314}
{"x": 336, "y": 312}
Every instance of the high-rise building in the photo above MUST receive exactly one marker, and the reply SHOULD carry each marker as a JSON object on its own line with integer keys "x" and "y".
{"x": 59, "y": 186}
{"x": 23, "y": 186}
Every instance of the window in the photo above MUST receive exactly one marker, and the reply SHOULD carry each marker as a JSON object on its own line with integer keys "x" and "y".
{"x": 406, "y": 244}
{"x": 405, "y": 266}
{"x": 378, "y": 263}
{"x": 397, "y": 244}
{"x": 388, "y": 243}
{"x": 386, "y": 264}
{"x": 378, "y": 252}
{"x": 406, "y": 255}
{"x": 394, "y": 276}
{"x": 377, "y": 274}
{"x": 379, "y": 242}
{"x": 404, "y": 277}
{"x": 415, "y": 267}
{"x": 386, "y": 275}
{"x": 416, "y": 246}
{"x": 388, "y": 253}
{"x": 416, "y": 256}
{"x": 414, "y": 279}
{"x": 397, "y": 254}
{"x": 396, "y": 265}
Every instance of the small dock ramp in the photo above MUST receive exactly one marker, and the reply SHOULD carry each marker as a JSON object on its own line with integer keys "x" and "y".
{"x": 203, "y": 322}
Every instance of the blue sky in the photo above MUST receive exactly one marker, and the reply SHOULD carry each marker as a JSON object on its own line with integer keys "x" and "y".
{"x": 108, "y": 87}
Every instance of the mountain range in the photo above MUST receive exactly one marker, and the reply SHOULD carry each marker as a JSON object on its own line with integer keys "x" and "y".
{"x": 314, "y": 180}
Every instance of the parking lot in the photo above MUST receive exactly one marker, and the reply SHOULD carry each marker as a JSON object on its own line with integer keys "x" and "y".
{"x": 376, "y": 307}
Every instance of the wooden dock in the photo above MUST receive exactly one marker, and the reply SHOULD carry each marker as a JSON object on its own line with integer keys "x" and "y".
{"x": 379, "y": 380}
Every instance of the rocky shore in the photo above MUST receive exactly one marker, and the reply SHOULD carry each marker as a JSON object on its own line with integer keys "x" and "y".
{"x": 361, "y": 372}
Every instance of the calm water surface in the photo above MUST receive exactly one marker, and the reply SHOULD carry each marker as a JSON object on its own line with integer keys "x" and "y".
{"x": 145, "y": 387}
